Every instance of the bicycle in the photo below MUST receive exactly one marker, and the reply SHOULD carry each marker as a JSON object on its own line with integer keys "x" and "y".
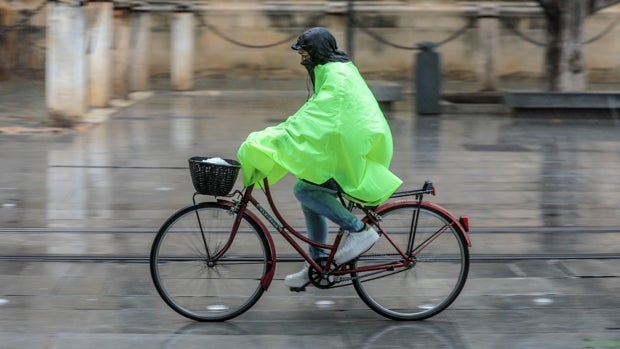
{"x": 212, "y": 260}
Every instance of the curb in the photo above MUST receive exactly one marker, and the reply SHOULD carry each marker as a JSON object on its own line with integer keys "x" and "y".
{"x": 93, "y": 117}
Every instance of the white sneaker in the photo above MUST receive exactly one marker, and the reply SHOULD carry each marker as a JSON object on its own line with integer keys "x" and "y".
{"x": 299, "y": 279}
{"x": 355, "y": 244}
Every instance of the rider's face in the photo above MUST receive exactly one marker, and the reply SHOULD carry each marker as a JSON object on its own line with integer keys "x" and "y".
{"x": 304, "y": 54}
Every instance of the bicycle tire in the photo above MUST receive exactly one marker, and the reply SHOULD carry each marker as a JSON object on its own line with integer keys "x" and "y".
{"x": 191, "y": 281}
{"x": 439, "y": 271}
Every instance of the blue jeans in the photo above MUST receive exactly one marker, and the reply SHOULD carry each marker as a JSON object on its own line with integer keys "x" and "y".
{"x": 317, "y": 204}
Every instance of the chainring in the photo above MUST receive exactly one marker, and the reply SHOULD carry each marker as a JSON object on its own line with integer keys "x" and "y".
{"x": 318, "y": 280}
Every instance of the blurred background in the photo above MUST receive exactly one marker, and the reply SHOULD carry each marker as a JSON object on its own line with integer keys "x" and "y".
{"x": 512, "y": 109}
{"x": 250, "y": 38}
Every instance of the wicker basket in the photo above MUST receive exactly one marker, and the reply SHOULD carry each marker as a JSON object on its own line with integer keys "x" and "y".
{"x": 213, "y": 179}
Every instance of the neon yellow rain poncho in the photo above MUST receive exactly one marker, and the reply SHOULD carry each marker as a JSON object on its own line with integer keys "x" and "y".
{"x": 339, "y": 133}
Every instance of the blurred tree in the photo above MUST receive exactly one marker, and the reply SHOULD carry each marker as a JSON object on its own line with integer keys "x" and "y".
{"x": 566, "y": 68}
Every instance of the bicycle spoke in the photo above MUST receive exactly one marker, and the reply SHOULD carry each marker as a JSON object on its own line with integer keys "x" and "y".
{"x": 427, "y": 241}
{"x": 202, "y": 271}
{"x": 430, "y": 280}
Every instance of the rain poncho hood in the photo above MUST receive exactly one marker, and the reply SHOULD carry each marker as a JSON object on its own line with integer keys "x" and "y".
{"x": 340, "y": 133}
{"x": 321, "y": 47}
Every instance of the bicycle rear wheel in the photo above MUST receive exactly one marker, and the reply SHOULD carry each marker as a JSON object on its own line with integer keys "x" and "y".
{"x": 439, "y": 269}
{"x": 204, "y": 272}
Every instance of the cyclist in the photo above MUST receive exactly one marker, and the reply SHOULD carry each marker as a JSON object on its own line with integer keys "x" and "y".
{"x": 338, "y": 140}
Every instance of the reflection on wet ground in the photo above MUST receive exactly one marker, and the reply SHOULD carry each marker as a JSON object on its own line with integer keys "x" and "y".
{"x": 518, "y": 304}
{"x": 130, "y": 171}
{"x": 78, "y": 211}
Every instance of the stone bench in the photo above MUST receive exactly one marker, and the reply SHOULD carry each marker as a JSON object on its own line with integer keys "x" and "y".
{"x": 585, "y": 104}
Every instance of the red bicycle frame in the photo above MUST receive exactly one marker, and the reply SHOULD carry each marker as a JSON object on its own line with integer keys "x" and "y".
{"x": 289, "y": 233}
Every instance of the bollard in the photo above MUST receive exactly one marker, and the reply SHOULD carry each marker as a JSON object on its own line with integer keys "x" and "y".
{"x": 66, "y": 67}
{"x": 99, "y": 54}
{"x": 140, "y": 51}
{"x": 427, "y": 79}
{"x": 182, "y": 53}
{"x": 122, "y": 48}
{"x": 488, "y": 36}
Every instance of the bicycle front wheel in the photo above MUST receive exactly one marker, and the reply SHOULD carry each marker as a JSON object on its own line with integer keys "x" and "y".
{"x": 437, "y": 274}
{"x": 205, "y": 272}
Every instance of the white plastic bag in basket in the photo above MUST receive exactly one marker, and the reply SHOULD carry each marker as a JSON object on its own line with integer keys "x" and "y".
{"x": 216, "y": 161}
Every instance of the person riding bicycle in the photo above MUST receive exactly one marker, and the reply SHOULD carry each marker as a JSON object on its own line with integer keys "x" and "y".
{"x": 338, "y": 141}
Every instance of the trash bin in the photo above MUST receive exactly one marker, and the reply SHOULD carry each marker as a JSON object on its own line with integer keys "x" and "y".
{"x": 427, "y": 79}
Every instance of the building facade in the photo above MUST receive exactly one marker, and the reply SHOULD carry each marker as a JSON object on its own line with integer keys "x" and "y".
{"x": 251, "y": 38}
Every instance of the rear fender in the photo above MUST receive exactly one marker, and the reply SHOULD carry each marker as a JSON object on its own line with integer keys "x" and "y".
{"x": 427, "y": 204}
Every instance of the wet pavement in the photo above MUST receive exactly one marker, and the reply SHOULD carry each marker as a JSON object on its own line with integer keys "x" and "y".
{"x": 78, "y": 210}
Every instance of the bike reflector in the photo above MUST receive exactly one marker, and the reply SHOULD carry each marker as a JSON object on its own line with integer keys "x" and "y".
{"x": 464, "y": 220}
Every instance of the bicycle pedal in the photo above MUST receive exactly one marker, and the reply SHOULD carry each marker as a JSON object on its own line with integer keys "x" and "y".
{"x": 297, "y": 289}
